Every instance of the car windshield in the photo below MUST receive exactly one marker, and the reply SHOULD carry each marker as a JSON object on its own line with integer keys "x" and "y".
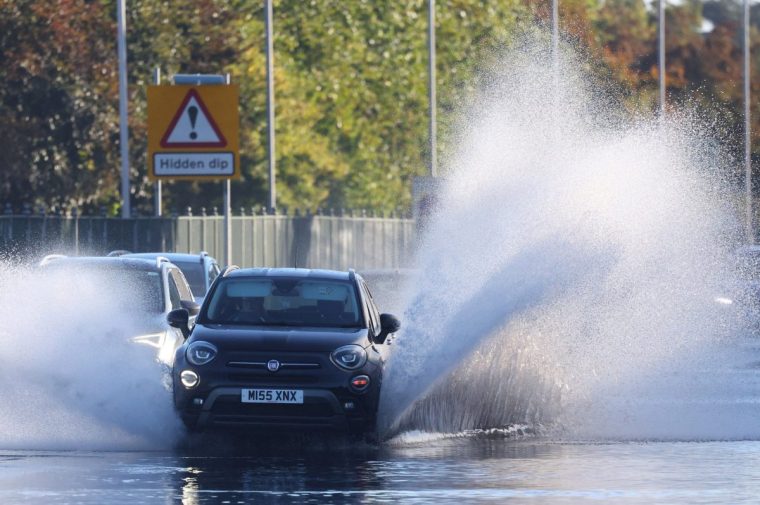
{"x": 132, "y": 289}
{"x": 263, "y": 301}
{"x": 195, "y": 275}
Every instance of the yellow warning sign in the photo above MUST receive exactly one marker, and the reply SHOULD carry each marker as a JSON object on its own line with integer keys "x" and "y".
{"x": 193, "y": 132}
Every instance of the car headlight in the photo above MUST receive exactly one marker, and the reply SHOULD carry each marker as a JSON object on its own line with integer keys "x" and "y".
{"x": 200, "y": 353}
{"x": 349, "y": 357}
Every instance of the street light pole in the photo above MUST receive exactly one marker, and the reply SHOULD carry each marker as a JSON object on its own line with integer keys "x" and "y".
{"x": 661, "y": 53}
{"x": 747, "y": 128}
{"x": 431, "y": 90}
{"x": 555, "y": 36}
{"x": 270, "y": 101}
{"x": 555, "y": 58}
{"x": 121, "y": 34}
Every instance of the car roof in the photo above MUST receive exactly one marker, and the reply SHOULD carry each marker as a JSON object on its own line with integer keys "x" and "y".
{"x": 290, "y": 272}
{"x": 173, "y": 257}
{"x": 101, "y": 261}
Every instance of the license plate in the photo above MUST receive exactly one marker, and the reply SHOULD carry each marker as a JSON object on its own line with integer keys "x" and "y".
{"x": 271, "y": 395}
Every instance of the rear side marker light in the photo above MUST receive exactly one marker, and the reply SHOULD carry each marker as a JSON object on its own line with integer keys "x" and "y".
{"x": 360, "y": 382}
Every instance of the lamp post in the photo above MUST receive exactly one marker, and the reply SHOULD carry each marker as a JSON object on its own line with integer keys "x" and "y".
{"x": 431, "y": 90}
{"x": 747, "y": 129}
{"x": 270, "y": 102}
{"x": 555, "y": 36}
{"x": 121, "y": 34}
{"x": 661, "y": 53}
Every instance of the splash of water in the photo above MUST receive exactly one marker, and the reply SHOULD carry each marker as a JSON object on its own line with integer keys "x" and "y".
{"x": 571, "y": 270}
{"x": 72, "y": 379}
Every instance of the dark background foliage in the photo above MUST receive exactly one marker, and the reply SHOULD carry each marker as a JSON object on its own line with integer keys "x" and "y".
{"x": 351, "y": 87}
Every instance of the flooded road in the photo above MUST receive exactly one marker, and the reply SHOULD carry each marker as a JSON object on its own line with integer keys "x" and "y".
{"x": 585, "y": 282}
{"x": 460, "y": 470}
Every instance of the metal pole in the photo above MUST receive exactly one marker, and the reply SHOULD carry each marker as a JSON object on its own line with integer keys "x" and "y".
{"x": 431, "y": 89}
{"x": 747, "y": 128}
{"x": 555, "y": 35}
{"x": 227, "y": 223}
{"x": 121, "y": 34}
{"x": 227, "y": 210}
{"x": 555, "y": 58}
{"x": 157, "y": 195}
{"x": 270, "y": 101}
{"x": 661, "y": 53}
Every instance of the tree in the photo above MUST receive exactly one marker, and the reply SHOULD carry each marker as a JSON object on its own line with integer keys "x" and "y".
{"x": 56, "y": 102}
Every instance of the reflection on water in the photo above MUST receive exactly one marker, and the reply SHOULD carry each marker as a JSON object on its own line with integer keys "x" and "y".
{"x": 483, "y": 469}
{"x": 307, "y": 469}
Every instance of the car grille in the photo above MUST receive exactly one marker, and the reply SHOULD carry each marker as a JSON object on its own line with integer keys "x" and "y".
{"x": 257, "y": 360}
{"x": 250, "y": 367}
{"x": 270, "y": 379}
{"x": 309, "y": 409}
{"x": 285, "y": 365}
{"x": 271, "y": 421}
{"x": 232, "y": 411}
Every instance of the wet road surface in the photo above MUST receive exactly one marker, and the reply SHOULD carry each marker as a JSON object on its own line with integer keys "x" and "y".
{"x": 445, "y": 470}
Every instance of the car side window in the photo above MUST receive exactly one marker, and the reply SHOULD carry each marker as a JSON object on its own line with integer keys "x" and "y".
{"x": 374, "y": 318}
{"x": 213, "y": 272}
{"x": 182, "y": 285}
{"x": 174, "y": 296}
{"x": 372, "y": 305}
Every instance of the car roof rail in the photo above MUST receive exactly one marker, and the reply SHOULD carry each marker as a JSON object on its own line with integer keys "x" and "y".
{"x": 203, "y": 254}
{"x": 161, "y": 259}
{"x": 117, "y": 253}
{"x": 228, "y": 269}
{"x": 50, "y": 258}
{"x": 352, "y": 274}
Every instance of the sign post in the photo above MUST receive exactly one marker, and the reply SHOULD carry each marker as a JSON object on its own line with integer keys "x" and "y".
{"x": 157, "y": 196}
{"x": 193, "y": 133}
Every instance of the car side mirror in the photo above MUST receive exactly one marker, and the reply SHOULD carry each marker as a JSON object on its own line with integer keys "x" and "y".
{"x": 191, "y": 306}
{"x": 388, "y": 324}
{"x": 179, "y": 318}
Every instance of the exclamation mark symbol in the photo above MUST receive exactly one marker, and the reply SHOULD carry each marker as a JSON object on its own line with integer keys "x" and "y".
{"x": 192, "y": 111}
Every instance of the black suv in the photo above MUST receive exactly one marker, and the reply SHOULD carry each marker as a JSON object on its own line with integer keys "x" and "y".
{"x": 285, "y": 347}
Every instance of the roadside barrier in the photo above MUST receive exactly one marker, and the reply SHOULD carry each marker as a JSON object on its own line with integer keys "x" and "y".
{"x": 310, "y": 240}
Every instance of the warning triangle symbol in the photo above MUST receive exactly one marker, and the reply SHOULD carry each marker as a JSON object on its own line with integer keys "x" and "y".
{"x": 193, "y": 126}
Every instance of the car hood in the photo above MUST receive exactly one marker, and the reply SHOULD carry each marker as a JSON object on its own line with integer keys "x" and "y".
{"x": 248, "y": 338}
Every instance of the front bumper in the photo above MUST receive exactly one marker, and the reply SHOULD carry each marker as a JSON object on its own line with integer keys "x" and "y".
{"x": 321, "y": 409}
{"x": 328, "y": 400}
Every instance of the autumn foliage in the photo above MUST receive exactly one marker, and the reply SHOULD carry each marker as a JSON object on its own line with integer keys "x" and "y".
{"x": 351, "y": 86}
